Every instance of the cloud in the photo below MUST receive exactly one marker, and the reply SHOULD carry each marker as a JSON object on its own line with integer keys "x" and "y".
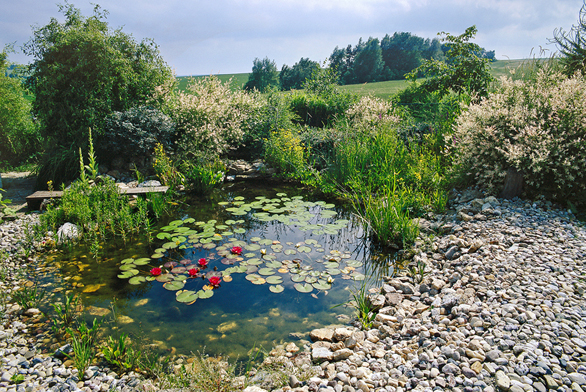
{"x": 199, "y": 37}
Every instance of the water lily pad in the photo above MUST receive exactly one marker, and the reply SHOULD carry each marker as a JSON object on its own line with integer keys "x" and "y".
{"x": 227, "y": 278}
{"x": 239, "y": 231}
{"x": 290, "y": 252}
{"x": 322, "y": 285}
{"x": 205, "y": 294}
{"x": 128, "y": 274}
{"x": 265, "y": 242}
{"x": 303, "y": 288}
{"x": 174, "y": 285}
{"x": 170, "y": 245}
{"x": 170, "y": 264}
{"x": 254, "y": 261}
{"x": 209, "y": 246}
{"x": 163, "y": 236}
{"x": 334, "y": 271}
{"x": 164, "y": 278}
{"x": 310, "y": 279}
{"x": 297, "y": 278}
{"x": 137, "y": 280}
{"x": 186, "y": 296}
{"x": 358, "y": 276}
{"x": 127, "y": 261}
{"x": 226, "y": 233}
{"x": 354, "y": 263}
{"x": 304, "y": 249}
{"x": 266, "y": 271}
{"x": 275, "y": 279}
{"x": 252, "y": 247}
{"x": 331, "y": 265}
{"x": 259, "y": 281}
{"x": 221, "y": 227}
{"x": 255, "y": 239}
{"x": 142, "y": 261}
{"x": 127, "y": 267}
{"x": 276, "y": 289}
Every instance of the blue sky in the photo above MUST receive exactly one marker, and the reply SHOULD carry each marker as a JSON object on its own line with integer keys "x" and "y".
{"x": 225, "y": 36}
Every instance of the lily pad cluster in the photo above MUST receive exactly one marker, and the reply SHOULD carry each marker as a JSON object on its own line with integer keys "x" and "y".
{"x": 305, "y": 266}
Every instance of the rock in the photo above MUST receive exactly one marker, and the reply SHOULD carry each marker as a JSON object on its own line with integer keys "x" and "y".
{"x": 149, "y": 184}
{"x": 320, "y": 354}
{"x": 452, "y": 252}
{"x": 578, "y": 378}
{"x": 67, "y": 232}
{"x": 294, "y": 382}
{"x": 254, "y": 388}
{"x": 342, "y": 354}
{"x": 502, "y": 380}
{"x": 318, "y": 334}
{"x": 341, "y": 334}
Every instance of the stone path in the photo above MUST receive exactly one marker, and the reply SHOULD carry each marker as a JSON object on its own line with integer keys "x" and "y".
{"x": 17, "y": 186}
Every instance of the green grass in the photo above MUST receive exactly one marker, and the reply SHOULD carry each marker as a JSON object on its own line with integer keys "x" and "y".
{"x": 382, "y": 90}
{"x": 238, "y": 82}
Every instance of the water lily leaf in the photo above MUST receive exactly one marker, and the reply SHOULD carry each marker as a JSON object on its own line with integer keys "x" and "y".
{"x": 142, "y": 261}
{"x": 275, "y": 279}
{"x": 251, "y": 269}
{"x": 209, "y": 246}
{"x": 254, "y": 261}
{"x": 164, "y": 278}
{"x": 255, "y": 239}
{"x": 331, "y": 264}
{"x": 277, "y": 248}
{"x": 226, "y": 233}
{"x": 310, "y": 279}
{"x": 283, "y": 270}
{"x": 259, "y": 281}
{"x": 137, "y": 280}
{"x": 127, "y": 261}
{"x": 221, "y": 227}
{"x": 330, "y": 231}
{"x": 163, "y": 236}
{"x": 303, "y": 288}
{"x": 239, "y": 231}
{"x": 174, "y": 285}
{"x": 227, "y": 278}
{"x": 329, "y": 205}
{"x": 186, "y": 296}
{"x": 304, "y": 249}
{"x": 328, "y": 213}
{"x": 274, "y": 264}
{"x": 311, "y": 242}
{"x": 290, "y": 252}
{"x": 189, "y": 220}
{"x": 217, "y": 237}
{"x": 238, "y": 198}
{"x": 170, "y": 245}
{"x": 252, "y": 247}
{"x": 322, "y": 285}
{"x": 205, "y": 294}
{"x": 150, "y": 278}
{"x": 182, "y": 229}
{"x": 127, "y": 274}
{"x": 276, "y": 289}
{"x": 281, "y": 194}
{"x": 127, "y": 267}
{"x": 354, "y": 263}
{"x": 178, "y": 270}
{"x": 334, "y": 271}
{"x": 265, "y": 242}
{"x": 297, "y": 278}
{"x": 319, "y": 250}
{"x": 266, "y": 271}
{"x": 358, "y": 276}
{"x": 318, "y": 232}
{"x": 249, "y": 255}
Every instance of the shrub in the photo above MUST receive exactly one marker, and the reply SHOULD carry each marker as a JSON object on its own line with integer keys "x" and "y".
{"x": 210, "y": 118}
{"x": 135, "y": 132}
{"x": 285, "y": 151}
{"x": 537, "y": 127}
{"x": 370, "y": 112}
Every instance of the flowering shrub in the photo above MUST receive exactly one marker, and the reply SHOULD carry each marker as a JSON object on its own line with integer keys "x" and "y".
{"x": 284, "y": 150}
{"x": 210, "y": 117}
{"x": 370, "y": 112}
{"x": 537, "y": 127}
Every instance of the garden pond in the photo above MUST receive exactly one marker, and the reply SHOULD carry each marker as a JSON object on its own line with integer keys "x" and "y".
{"x": 251, "y": 265}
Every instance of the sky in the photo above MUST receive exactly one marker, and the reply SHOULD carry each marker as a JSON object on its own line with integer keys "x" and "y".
{"x": 204, "y": 37}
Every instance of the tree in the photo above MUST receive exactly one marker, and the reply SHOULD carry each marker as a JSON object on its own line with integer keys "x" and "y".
{"x": 463, "y": 71}
{"x": 401, "y": 53}
{"x": 294, "y": 77}
{"x": 572, "y": 44}
{"x": 264, "y": 75}
{"x": 82, "y": 72}
{"x": 368, "y": 64}
{"x": 19, "y": 138}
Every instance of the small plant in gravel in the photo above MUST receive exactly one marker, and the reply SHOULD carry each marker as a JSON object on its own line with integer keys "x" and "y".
{"x": 83, "y": 343}
{"x": 28, "y": 297}
{"x": 417, "y": 272}
{"x": 360, "y": 301}
{"x": 66, "y": 313}
{"x": 120, "y": 353}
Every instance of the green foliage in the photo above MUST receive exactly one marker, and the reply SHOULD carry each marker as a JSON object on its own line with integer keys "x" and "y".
{"x": 264, "y": 75}
{"x": 203, "y": 176}
{"x": 368, "y": 63}
{"x": 66, "y": 313}
{"x": 135, "y": 132}
{"x": 463, "y": 72}
{"x": 121, "y": 354}
{"x": 29, "y": 297}
{"x": 534, "y": 126}
{"x": 17, "y": 378}
{"x": 20, "y": 140}
{"x": 418, "y": 272}
{"x": 206, "y": 374}
{"x": 294, "y": 77}
{"x": 362, "y": 306}
{"x": 321, "y": 103}
{"x": 285, "y": 151}
{"x": 210, "y": 117}
{"x": 572, "y": 45}
{"x": 83, "y": 344}
{"x": 166, "y": 170}
{"x": 82, "y": 72}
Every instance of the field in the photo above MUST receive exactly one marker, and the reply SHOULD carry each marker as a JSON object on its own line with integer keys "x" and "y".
{"x": 379, "y": 89}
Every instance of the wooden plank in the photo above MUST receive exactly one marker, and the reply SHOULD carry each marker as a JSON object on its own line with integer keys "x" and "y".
{"x": 34, "y": 201}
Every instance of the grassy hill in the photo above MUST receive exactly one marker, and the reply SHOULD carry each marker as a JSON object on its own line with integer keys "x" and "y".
{"x": 379, "y": 89}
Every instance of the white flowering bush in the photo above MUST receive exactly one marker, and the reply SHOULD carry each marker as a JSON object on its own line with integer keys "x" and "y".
{"x": 535, "y": 126}
{"x": 370, "y": 112}
{"x": 210, "y": 117}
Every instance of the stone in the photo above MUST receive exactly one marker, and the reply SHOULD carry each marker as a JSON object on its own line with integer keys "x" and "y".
{"x": 578, "y": 378}
{"x": 342, "y": 354}
{"x": 293, "y": 381}
{"x": 341, "y": 334}
{"x": 502, "y": 380}
{"x": 149, "y": 184}
{"x": 318, "y": 334}
{"x": 320, "y": 354}
{"x": 67, "y": 232}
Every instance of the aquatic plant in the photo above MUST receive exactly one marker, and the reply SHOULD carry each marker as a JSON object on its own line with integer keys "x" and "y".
{"x": 28, "y": 297}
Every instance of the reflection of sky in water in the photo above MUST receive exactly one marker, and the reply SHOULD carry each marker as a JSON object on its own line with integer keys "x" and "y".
{"x": 240, "y": 314}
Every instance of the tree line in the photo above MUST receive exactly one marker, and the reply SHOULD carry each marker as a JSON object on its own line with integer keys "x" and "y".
{"x": 373, "y": 60}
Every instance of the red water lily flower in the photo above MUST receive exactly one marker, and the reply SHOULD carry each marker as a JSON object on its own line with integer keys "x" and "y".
{"x": 202, "y": 262}
{"x": 236, "y": 250}
{"x": 156, "y": 271}
{"x": 215, "y": 281}
{"x": 193, "y": 271}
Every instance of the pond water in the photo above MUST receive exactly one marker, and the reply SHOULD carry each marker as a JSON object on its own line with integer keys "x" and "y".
{"x": 277, "y": 259}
